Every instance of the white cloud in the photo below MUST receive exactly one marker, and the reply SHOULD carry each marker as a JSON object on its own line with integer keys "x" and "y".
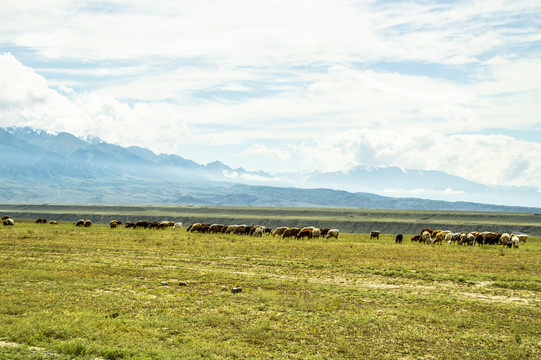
{"x": 26, "y": 100}
{"x": 487, "y": 159}
{"x": 415, "y": 84}
{"x": 263, "y": 150}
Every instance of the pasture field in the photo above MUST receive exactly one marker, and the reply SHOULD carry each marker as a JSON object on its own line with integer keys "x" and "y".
{"x": 68, "y": 292}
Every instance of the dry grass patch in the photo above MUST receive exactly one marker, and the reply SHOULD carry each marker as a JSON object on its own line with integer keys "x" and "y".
{"x": 132, "y": 294}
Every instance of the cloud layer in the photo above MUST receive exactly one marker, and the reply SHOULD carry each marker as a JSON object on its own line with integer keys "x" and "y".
{"x": 287, "y": 86}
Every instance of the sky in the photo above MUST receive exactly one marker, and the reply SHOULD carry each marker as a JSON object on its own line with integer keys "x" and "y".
{"x": 286, "y": 86}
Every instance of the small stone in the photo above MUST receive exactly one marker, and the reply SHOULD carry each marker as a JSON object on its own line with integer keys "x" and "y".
{"x": 224, "y": 288}
{"x": 163, "y": 283}
{"x": 236, "y": 290}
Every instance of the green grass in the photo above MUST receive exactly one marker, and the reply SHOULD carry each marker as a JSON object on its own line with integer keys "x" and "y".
{"x": 90, "y": 293}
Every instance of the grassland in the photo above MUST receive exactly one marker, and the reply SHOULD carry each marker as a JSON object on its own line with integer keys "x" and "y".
{"x": 100, "y": 293}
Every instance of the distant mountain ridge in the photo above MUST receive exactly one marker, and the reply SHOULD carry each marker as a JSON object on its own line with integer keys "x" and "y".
{"x": 40, "y": 167}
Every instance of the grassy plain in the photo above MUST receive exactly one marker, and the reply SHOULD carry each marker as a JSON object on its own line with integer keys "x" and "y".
{"x": 100, "y": 293}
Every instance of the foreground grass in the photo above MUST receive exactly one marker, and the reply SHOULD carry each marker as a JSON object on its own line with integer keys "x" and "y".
{"x": 135, "y": 294}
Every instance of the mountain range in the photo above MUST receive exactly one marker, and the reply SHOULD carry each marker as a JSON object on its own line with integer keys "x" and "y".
{"x": 42, "y": 167}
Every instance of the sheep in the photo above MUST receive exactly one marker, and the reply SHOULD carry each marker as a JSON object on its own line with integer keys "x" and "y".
{"x": 504, "y": 239}
{"x": 521, "y": 237}
{"x": 290, "y": 232}
{"x": 426, "y": 237}
{"x": 375, "y": 234}
{"x": 279, "y": 231}
{"x": 515, "y": 241}
{"x": 259, "y": 231}
{"x": 177, "y": 225}
{"x": 306, "y": 232}
{"x": 398, "y": 239}
{"x": 87, "y": 223}
{"x": 333, "y": 233}
{"x": 216, "y": 228}
{"x": 438, "y": 237}
{"x": 417, "y": 238}
{"x": 141, "y": 224}
{"x": 8, "y": 222}
{"x": 231, "y": 229}
{"x": 242, "y": 229}
{"x": 324, "y": 231}
{"x": 253, "y": 229}
{"x": 114, "y": 223}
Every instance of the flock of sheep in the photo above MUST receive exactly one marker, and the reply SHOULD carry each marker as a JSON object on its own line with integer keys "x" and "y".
{"x": 260, "y": 230}
{"x": 430, "y": 236}
{"x": 427, "y": 235}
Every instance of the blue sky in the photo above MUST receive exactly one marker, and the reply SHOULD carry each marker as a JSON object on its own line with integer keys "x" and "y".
{"x": 287, "y": 85}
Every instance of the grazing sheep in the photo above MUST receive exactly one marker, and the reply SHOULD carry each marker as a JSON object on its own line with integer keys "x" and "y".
{"x": 215, "y": 228}
{"x": 438, "y": 237}
{"x": 259, "y": 231}
{"x": 324, "y": 231}
{"x": 141, "y": 224}
{"x": 279, "y": 231}
{"x": 307, "y": 232}
{"x": 515, "y": 241}
{"x": 242, "y": 229}
{"x": 398, "y": 239}
{"x": 504, "y": 239}
{"x": 253, "y": 229}
{"x": 480, "y": 239}
{"x": 521, "y": 237}
{"x": 333, "y": 233}
{"x": 375, "y": 235}
{"x": 417, "y": 238}
{"x": 177, "y": 225}
{"x": 114, "y": 223}
{"x": 80, "y": 222}
{"x": 290, "y": 232}
{"x": 8, "y": 222}
{"x": 426, "y": 237}
{"x": 87, "y": 223}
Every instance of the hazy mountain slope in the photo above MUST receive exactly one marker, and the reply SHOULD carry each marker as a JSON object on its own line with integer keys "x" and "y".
{"x": 61, "y": 168}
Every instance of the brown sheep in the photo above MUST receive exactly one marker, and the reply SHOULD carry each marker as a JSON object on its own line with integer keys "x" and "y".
{"x": 290, "y": 232}
{"x": 279, "y": 231}
{"x": 417, "y": 238}
{"x": 304, "y": 233}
